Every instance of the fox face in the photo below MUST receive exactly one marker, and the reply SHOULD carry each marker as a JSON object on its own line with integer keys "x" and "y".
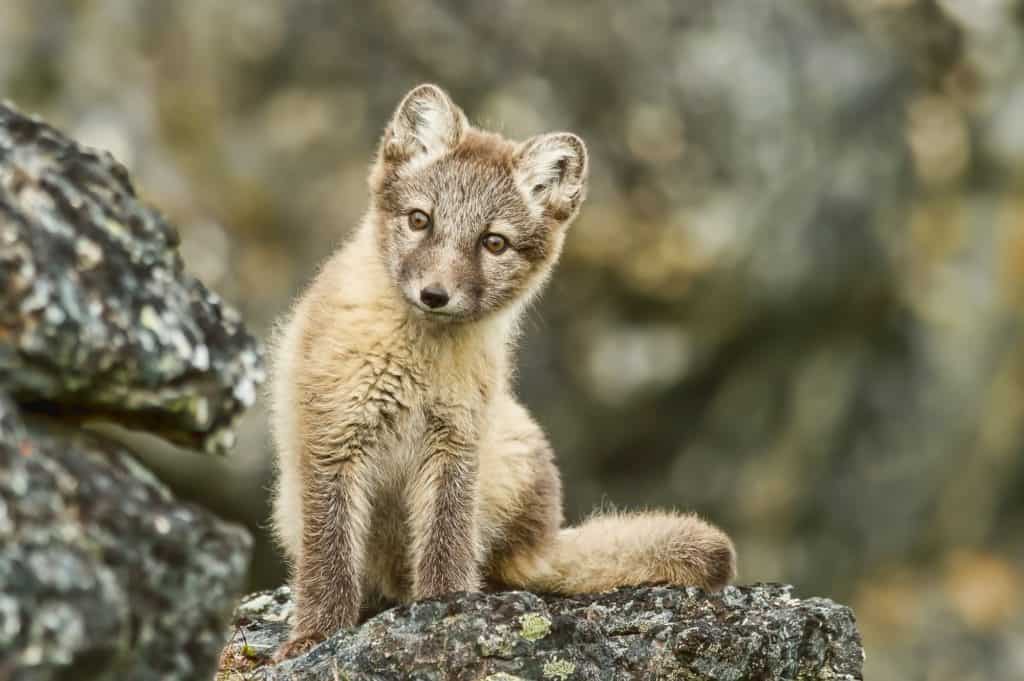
{"x": 468, "y": 222}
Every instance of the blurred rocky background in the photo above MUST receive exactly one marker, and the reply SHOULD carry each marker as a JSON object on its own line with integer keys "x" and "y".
{"x": 794, "y": 301}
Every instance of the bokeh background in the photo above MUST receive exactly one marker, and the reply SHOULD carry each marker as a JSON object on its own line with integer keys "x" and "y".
{"x": 793, "y": 302}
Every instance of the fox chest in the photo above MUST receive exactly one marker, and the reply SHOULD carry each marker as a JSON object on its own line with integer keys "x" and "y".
{"x": 402, "y": 410}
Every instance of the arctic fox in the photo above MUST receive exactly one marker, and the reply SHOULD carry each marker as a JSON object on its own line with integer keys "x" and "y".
{"x": 406, "y": 466}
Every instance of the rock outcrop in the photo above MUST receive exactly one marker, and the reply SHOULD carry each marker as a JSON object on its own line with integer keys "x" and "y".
{"x": 755, "y": 632}
{"x": 103, "y": 573}
{"x": 97, "y": 313}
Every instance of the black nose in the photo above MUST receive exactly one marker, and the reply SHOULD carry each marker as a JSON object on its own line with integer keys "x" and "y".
{"x": 434, "y": 296}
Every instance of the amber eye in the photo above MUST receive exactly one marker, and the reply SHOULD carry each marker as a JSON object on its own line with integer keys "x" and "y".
{"x": 418, "y": 220}
{"x": 495, "y": 243}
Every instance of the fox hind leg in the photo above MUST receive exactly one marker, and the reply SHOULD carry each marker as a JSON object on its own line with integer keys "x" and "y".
{"x": 521, "y": 501}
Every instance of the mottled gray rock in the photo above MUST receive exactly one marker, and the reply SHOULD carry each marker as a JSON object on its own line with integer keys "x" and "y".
{"x": 97, "y": 314}
{"x": 103, "y": 574}
{"x": 753, "y": 632}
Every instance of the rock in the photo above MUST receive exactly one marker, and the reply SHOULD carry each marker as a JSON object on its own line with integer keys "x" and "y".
{"x": 103, "y": 574}
{"x": 97, "y": 314}
{"x": 759, "y": 631}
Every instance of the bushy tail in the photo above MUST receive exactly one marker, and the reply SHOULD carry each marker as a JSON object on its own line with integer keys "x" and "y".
{"x": 610, "y": 550}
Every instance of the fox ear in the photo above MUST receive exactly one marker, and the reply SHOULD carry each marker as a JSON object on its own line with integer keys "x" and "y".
{"x": 551, "y": 170}
{"x": 426, "y": 124}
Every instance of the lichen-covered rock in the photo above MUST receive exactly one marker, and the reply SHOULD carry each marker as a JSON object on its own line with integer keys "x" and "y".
{"x": 103, "y": 574}
{"x": 97, "y": 313}
{"x": 754, "y": 632}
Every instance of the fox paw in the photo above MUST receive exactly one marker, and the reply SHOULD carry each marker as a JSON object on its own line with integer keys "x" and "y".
{"x": 297, "y": 646}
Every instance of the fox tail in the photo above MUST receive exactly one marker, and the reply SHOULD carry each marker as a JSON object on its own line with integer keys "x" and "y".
{"x": 611, "y": 550}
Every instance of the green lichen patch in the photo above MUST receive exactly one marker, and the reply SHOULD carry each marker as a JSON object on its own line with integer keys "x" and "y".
{"x": 558, "y": 669}
{"x": 534, "y": 627}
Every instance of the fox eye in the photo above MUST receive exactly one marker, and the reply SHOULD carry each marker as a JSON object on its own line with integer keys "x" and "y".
{"x": 495, "y": 243}
{"x": 418, "y": 220}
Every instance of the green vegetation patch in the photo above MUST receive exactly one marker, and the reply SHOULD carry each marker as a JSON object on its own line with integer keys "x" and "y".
{"x": 534, "y": 627}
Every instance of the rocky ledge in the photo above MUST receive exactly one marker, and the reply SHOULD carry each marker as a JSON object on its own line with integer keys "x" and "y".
{"x": 751, "y": 632}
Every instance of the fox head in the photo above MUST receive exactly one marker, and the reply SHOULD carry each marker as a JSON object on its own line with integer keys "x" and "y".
{"x": 468, "y": 222}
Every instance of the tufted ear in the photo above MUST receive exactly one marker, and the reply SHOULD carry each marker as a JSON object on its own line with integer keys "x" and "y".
{"x": 551, "y": 170}
{"x": 426, "y": 124}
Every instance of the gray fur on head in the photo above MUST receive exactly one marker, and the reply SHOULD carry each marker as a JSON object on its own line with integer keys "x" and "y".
{"x": 472, "y": 184}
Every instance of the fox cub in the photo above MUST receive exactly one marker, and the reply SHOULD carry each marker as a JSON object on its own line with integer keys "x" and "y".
{"x": 406, "y": 466}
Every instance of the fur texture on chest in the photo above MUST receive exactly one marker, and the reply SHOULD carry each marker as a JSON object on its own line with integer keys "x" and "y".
{"x": 363, "y": 359}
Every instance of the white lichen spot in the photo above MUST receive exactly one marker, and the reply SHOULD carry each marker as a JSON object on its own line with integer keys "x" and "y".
{"x": 54, "y": 315}
{"x": 88, "y": 253}
{"x": 147, "y": 341}
{"x": 558, "y": 669}
{"x": 35, "y": 201}
{"x": 245, "y": 392}
{"x": 181, "y": 344}
{"x": 161, "y": 524}
{"x": 32, "y": 655}
{"x": 150, "y": 319}
{"x": 502, "y": 676}
{"x": 256, "y": 605}
{"x": 10, "y": 620}
{"x": 117, "y": 230}
{"x": 201, "y": 411}
{"x": 230, "y": 315}
{"x": 201, "y": 357}
{"x": 6, "y": 525}
{"x": 17, "y": 481}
